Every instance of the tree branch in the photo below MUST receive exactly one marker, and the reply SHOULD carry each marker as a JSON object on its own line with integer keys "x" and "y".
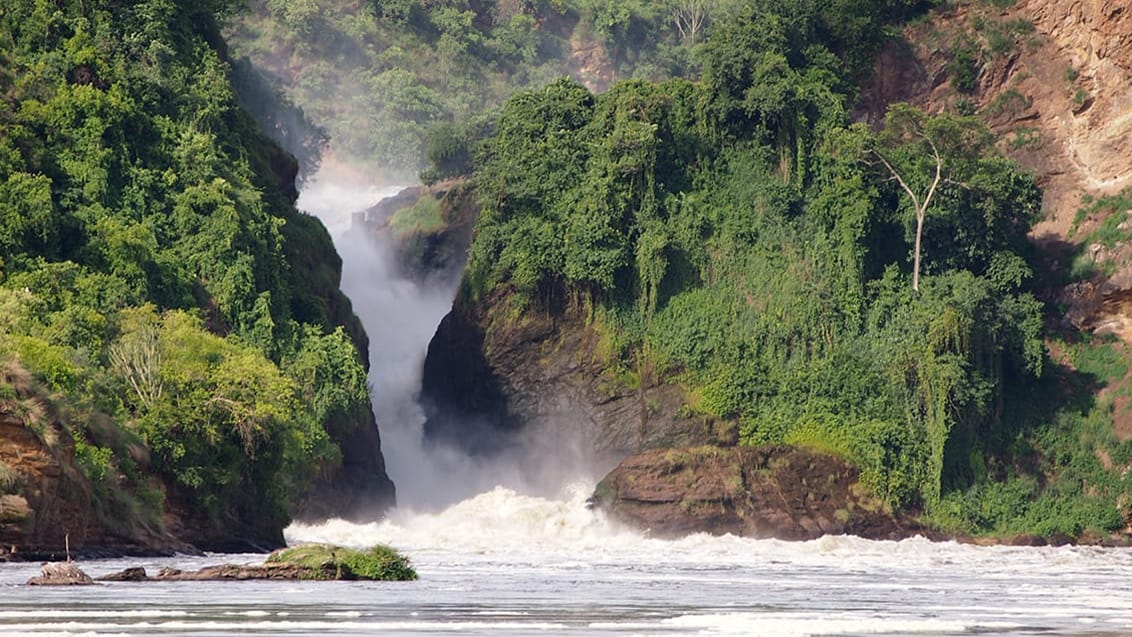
{"x": 900, "y": 180}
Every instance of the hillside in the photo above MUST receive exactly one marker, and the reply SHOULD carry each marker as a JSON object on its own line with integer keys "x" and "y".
{"x": 174, "y": 344}
{"x": 736, "y": 252}
{"x": 390, "y": 83}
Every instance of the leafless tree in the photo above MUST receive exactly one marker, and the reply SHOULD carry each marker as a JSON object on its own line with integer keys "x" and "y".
{"x": 690, "y": 17}
{"x": 920, "y": 203}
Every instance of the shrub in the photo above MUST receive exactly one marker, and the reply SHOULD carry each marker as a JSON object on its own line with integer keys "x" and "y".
{"x": 378, "y": 562}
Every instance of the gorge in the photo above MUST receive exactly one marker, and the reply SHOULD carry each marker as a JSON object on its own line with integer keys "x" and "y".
{"x": 681, "y": 265}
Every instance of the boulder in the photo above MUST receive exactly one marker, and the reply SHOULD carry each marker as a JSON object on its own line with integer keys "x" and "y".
{"x": 60, "y": 574}
{"x": 132, "y": 574}
{"x": 773, "y": 491}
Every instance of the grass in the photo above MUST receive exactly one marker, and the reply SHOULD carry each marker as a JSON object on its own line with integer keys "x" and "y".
{"x": 9, "y": 479}
{"x": 378, "y": 562}
{"x": 423, "y": 217}
{"x": 1080, "y": 96}
{"x": 1009, "y": 102}
{"x": 1026, "y": 137}
{"x": 1105, "y": 359}
{"x": 1109, "y": 231}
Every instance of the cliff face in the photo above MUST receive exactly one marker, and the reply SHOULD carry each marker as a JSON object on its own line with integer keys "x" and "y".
{"x": 496, "y": 377}
{"x": 1095, "y": 38}
{"x": 763, "y": 492}
{"x": 47, "y": 504}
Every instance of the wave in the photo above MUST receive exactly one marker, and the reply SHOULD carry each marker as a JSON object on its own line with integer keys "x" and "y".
{"x": 506, "y": 525}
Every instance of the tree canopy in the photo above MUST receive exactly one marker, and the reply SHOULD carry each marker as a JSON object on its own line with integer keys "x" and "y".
{"x": 155, "y": 275}
{"x": 743, "y": 238}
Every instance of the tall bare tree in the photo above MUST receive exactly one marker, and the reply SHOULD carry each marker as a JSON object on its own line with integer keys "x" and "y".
{"x": 690, "y": 17}
{"x": 920, "y": 203}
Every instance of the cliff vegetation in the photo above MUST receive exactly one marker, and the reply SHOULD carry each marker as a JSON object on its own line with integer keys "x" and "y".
{"x": 168, "y": 318}
{"x": 868, "y": 291}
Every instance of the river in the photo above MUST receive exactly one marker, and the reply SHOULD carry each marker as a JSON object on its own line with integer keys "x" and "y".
{"x": 513, "y": 560}
{"x": 501, "y": 563}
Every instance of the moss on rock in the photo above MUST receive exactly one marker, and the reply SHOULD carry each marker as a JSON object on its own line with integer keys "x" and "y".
{"x": 326, "y": 561}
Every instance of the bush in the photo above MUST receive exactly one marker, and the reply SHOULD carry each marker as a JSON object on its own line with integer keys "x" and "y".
{"x": 378, "y": 562}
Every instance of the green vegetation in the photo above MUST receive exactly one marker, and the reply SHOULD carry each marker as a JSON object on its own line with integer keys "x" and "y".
{"x": 422, "y": 217}
{"x": 740, "y": 237}
{"x": 378, "y": 562}
{"x": 382, "y": 77}
{"x": 1114, "y": 209}
{"x": 379, "y": 77}
{"x": 161, "y": 300}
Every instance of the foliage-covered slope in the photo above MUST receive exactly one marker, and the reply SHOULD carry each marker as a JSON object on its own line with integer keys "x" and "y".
{"x": 155, "y": 275}
{"x": 740, "y": 237}
{"x": 388, "y": 80}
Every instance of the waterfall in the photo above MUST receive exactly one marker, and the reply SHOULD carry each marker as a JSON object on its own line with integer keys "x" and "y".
{"x": 400, "y": 316}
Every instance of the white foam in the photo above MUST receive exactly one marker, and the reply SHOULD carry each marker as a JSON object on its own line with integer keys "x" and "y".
{"x": 64, "y": 613}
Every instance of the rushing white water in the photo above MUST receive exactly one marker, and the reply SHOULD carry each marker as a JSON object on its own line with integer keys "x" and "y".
{"x": 502, "y": 563}
{"x": 400, "y": 316}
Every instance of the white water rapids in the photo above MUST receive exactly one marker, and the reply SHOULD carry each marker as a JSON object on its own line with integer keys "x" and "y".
{"x": 505, "y": 564}
{"x": 494, "y": 560}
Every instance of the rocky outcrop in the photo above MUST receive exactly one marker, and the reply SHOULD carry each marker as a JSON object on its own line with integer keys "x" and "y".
{"x": 774, "y": 491}
{"x": 60, "y": 574}
{"x": 360, "y": 490}
{"x": 1092, "y": 40}
{"x": 496, "y": 377}
{"x": 304, "y": 562}
{"x": 427, "y": 254}
{"x": 48, "y": 507}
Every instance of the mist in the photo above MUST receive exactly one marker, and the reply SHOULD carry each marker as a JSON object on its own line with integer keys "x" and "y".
{"x": 400, "y": 316}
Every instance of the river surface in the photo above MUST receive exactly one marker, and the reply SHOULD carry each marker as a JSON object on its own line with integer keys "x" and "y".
{"x": 505, "y": 564}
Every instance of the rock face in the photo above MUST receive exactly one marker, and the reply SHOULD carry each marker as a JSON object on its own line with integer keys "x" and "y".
{"x": 48, "y": 504}
{"x": 359, "y": 491}
{"x": 495, "y": 378}
{"x": 774, "y": 491}
{"x": 426, "y": 255}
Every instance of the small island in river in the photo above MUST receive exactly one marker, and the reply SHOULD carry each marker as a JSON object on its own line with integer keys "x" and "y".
{"x": 304, "y": 562}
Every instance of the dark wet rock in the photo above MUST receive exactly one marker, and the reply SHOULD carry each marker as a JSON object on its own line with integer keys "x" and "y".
{"x": 132, "y": 574}
{"x": 248, "y": 572}
{"x": 773, "y": 491}
{"x": 494, "y": 376}
{"x": 1027, "y": 539}
{"x": 1061, "y": 539}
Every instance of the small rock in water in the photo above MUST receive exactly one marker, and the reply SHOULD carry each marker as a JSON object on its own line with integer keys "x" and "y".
{"x": 132, "y": 574}
{"x": 60, "y": 574}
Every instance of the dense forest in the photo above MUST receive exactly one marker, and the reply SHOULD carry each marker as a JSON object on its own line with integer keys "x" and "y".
{"x": 387, "y": 84}
{"x": 867, "y": 292}
{"x": 164, "y": 304}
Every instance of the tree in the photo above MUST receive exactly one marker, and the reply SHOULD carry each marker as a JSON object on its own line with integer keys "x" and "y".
{"x": 920, "y": 203}
{"x": 690, "y": 17}
{"x": 948, "y": 165}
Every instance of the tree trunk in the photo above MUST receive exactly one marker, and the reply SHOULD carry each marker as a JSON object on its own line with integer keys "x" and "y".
{"x": 920, "y": 214}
